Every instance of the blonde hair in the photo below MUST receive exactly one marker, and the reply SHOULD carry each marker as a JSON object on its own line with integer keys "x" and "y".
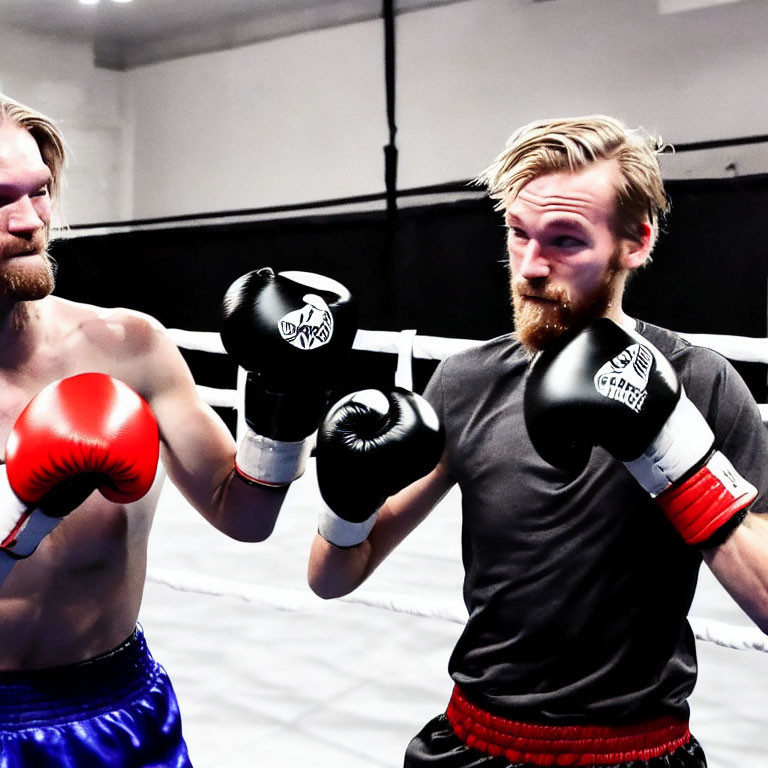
{"x": 571, "y": 144}
{"x": 43, "y": 131}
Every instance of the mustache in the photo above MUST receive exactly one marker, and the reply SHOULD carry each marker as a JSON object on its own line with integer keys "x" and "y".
{"x": 38, "y": 243}
{"x": 525, "y": 288}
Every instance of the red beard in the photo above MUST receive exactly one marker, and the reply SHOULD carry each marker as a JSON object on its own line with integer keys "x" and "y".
{"x": 538, "y": 323}
{"x": 27, "y": 282}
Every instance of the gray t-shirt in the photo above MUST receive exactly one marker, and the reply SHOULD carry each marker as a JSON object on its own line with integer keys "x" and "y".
{"x": 577, "y": 586}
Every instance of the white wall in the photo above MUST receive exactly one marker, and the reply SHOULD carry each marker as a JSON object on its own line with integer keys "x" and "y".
{"x": 59, "y": 79}
{"x": 492, "y": 65}
{"x": 297, "y": 119}
{"x": 303, "y": 118}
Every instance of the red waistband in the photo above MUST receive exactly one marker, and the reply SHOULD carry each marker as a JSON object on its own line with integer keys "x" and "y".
{"x": 563, "y": 745}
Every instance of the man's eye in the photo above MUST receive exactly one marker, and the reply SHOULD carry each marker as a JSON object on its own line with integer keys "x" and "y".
{"x": 568, "y": 241}
{"x": 517, "y": 233}
{"x": 42, "y": 192}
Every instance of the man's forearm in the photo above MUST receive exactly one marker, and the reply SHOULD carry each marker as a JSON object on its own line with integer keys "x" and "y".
{"x": 335, "y": 571}
{"x": 741, "y": 566}
{"x": 247, "y": 512}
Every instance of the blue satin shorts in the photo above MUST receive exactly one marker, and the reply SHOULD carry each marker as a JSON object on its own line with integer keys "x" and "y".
{"x": 117, "y": 710}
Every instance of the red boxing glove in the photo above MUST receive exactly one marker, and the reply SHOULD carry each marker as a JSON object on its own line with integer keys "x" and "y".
{"x": 90, "y": 424}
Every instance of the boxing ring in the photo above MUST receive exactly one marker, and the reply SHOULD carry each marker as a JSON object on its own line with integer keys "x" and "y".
{"x": 269, "y": 675}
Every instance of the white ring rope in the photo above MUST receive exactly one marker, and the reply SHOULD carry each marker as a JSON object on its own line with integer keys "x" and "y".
{"x": 295, "y": 600}
{"x": 740, "y": 348}
{"x": 289, "y": 599}
{"x": 729, "y": 635}
{"x": 406, "y": 345}
{"x": 743, "y": 348}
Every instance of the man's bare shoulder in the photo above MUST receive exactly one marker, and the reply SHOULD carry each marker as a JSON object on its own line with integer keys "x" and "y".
{"x": 125, "y": 343}
{"x": 110, "y": 330}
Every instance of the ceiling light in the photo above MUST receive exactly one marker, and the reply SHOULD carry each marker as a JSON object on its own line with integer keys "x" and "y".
{"x": 676, "y": 6}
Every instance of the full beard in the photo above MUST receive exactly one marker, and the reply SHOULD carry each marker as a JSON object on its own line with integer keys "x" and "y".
{"x": 21, "y": 281}
{"x": 539, "y": 323}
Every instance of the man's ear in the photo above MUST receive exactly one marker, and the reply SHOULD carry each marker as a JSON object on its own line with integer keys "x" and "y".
{"x": 635, "y": 252}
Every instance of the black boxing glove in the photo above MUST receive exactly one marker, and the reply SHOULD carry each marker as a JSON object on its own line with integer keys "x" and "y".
{"x": 291, "y": 332}
{"x": 609, "y": 387}
{"x": 369, "y": 446}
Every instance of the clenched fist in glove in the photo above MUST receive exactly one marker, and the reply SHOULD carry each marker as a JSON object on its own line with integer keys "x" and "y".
{"x": 612, "y": 388}
{"x": 79, "y": 434}
{"x": 291, "y": 332}
{"x": 369, "y": 446}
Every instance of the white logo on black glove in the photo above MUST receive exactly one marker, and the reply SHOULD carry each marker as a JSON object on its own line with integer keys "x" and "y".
{"x": 308, "y": 327}
{"x": 624, "y": 377}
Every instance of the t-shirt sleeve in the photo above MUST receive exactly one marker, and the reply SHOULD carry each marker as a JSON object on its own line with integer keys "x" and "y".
{"x": 731, "y": 411}
{"x": 433, "y": 393}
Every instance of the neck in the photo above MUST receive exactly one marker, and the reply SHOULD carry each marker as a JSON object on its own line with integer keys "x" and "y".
{"x": 614, "y": 310}
{"x": 20, "y": 330}
{"x": 621, "y": 318}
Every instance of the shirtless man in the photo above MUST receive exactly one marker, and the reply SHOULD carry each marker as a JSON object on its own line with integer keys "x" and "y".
{"x": 78, "y": 685}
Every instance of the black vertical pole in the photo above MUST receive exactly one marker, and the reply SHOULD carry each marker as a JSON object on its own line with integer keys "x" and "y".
{"x": 390, "y": 151}
{"x": 390, "y": 170}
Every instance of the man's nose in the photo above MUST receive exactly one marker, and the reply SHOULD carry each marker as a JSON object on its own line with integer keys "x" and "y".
{"x": 22, "y": 217}
{"x": 533, "y": 264}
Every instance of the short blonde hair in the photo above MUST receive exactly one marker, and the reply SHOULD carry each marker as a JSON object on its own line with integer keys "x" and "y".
{"x": 571, "y": 144}
{"x": 43, "y": 131}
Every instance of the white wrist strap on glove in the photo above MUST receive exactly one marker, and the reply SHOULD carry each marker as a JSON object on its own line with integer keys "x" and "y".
{"x": 12, "y": 509}
{"x": 684, "y": 440}
{"x": 21, "y": 528}
{"x": 344, "y": 533}
{"x": 266, "y": 461}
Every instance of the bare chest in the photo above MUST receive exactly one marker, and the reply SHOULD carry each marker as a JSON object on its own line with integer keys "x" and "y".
{"x": 13, "y": 400}
{"x": 97, "y": 537}
{"x": 19, "y": 385}
{"x": 82, "y": 586}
